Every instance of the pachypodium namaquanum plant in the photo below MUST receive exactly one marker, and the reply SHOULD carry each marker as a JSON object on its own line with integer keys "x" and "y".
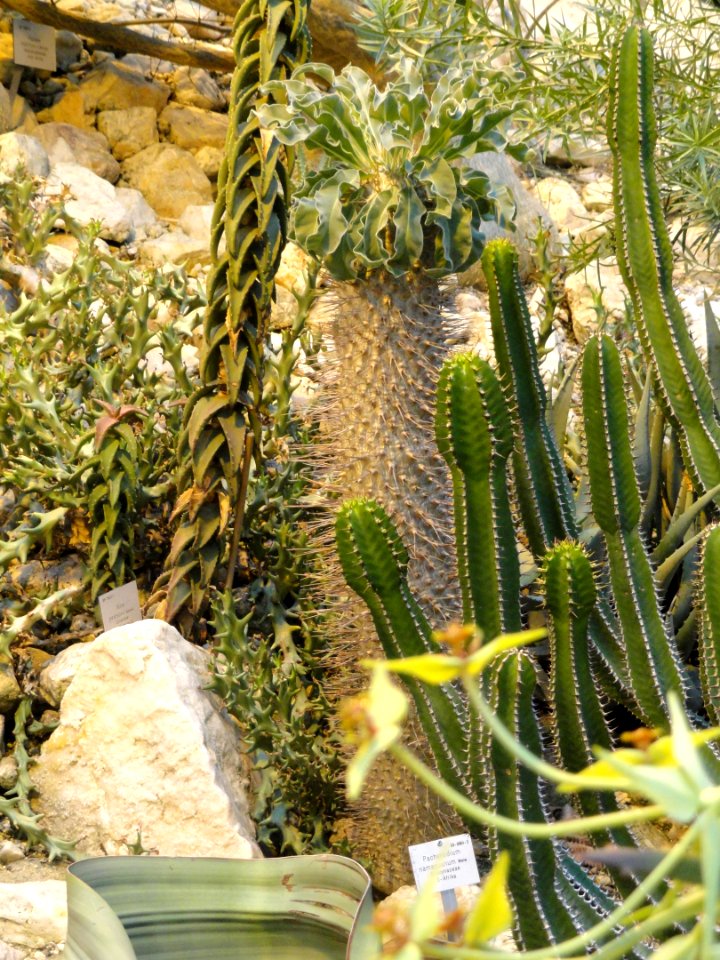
{"x": 628, "y": 586}
{"x": 222, "y": 426}
{"x": 393, "y": 210}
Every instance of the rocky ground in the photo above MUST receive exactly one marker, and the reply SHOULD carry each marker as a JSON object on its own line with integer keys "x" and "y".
{"x": 136, "y": 144}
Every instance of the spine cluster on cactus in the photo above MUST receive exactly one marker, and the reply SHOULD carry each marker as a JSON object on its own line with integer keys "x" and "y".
{"x": 611, "y": 642}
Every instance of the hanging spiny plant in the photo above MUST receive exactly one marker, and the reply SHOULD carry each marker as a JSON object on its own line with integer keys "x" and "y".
{"x": 221, "y": 427}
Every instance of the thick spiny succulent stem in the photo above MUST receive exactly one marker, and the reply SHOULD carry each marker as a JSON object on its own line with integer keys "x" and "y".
{"x": 543, "y": 492}
{"x": 646, "y": 263}
{"x": 653, "y": 664}
{"x": 374, "y": 563}
{"x": 541, "y": 915}
{"x": 541, "y": 484}
{"x": 570, "y": 596}
{"x": 474, "y": 435}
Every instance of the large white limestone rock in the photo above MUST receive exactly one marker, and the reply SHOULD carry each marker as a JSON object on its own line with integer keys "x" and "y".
{"x": 144, "y": 751}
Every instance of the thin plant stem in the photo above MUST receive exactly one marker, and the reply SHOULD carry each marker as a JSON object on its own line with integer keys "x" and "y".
{"x": 240, "y": 510}
{"x": 560, "y": 828}
{"x": 543, "y": 769}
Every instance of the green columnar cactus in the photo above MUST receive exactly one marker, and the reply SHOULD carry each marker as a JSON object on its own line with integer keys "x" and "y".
{"x": 474, "y": 436}
{"x": 612, "y": 627}
{"x": 653, "y": 664}
{"x": 645, "y": 258}
{"x": 473, "y": 430}
{"x": 543, "y": 491}
{"x": 250, "y": 215}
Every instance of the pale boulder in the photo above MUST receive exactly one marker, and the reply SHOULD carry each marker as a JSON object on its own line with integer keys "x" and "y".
{"x": 175, "y": 246}
{"x": 68, "y": 144}
{"x": 5, "y": 110}
{"x": 143, "y": 220}
{"x": 169, "y": 179}
{"x": 115, "y": 87}
{"x": 563, "y": 204}
{"x": 57, "y": 674}
{"x": 70, "y": 108}
{"x": 10, "y": 953}
{"x": 20, "y": 150}
{"x": 530, "y": 216}
{"x": 129, "y": 131}
{"x": 33, "y": 914}
{"x": 590, "y": 293}
{"x": 68, "y": 49}
{"x": 196, "y": 220}
{"x": 88, "y": 198}
{"x": 192, "y": 128}
{"x": 210, "y": 159}
{"x": 143, "y": 750}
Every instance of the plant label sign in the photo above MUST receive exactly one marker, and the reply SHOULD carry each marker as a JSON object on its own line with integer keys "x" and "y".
{"x": 457, "y": 862}
{"x": 34, "y": 45}
{"x": 120, "y": 606}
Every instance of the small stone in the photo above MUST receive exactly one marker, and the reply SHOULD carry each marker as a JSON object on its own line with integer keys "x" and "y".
{"x": 10, "y": 853}
{"x": 8, "y": 773}
{"x": 210, "y": 159}
{"x": 196, "y": 88}
{"x": 19, "y": 150}
{"x": 10, "y": 692}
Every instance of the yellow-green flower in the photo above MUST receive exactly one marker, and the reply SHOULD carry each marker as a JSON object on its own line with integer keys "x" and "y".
{"x": 438, "y": 668}
{"x": 373, "y": 721}
{"x": 670, "y": 771}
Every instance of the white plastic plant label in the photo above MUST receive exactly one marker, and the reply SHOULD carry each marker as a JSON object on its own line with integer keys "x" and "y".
{"x": 458, "y": 867}
{"x": 34, "y": 45}
{"x": 120, "y": 606}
